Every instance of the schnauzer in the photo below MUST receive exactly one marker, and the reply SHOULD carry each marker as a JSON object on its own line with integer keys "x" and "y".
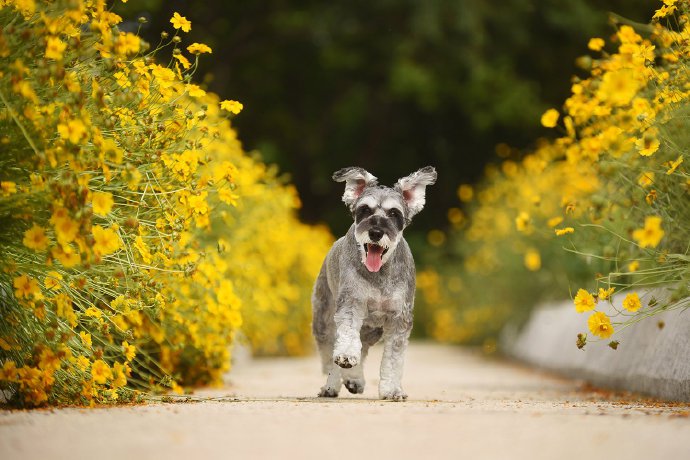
{"x": 365, "y": 290}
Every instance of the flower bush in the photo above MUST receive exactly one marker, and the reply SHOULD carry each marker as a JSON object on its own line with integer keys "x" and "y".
{"x": 137, "y": 236}
{"x": 602, "y": 211}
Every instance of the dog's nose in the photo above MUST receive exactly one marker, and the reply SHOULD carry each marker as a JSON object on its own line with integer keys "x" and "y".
{"x": 375, "y": 234}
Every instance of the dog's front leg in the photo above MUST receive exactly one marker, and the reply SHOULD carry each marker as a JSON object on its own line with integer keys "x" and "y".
{"x": 395, "y": 339}
{"x": 349, "y": 316}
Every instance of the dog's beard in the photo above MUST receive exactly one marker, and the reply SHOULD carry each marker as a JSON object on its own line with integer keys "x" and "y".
{"x": 375, "y": 254}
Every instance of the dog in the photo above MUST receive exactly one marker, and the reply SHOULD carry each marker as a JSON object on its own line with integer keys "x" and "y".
{"x": 366, "y": 287}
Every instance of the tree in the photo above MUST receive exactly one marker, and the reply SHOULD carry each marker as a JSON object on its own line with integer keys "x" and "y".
{"x": 390, "y": 85}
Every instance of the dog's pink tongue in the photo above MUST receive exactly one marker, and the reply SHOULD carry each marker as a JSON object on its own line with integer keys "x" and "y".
{"x": 374, "y": 258}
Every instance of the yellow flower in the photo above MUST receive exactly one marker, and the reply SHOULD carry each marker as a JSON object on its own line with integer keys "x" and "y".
{"x": 633, "y": 266}
{"x": 550, "y": 118}
{"x": 522, "y": 222}
{"x": 130, "y": 351}
{"x": 66, "y": 230}
{"x": 54, "y": 48}
{"x": 58, "y": 215}
{"x": 120, "y": 377}
{"x": 465, "y": 193}
{"x": 102, "y": 203}
{"x": 24, "y": 88}
{"x": 133, "y": 176}
{"x": 85, "y": 339}
{"x": 584, "y": 301}
{"x": 25, "y": 286}
{"x": 106, "y": 240}
{"x": 664, "y": 11}
{"x": 532, "y": 260}
{"x": 596, "y": 44}
{"x": 183, "y": 60}
{"x": 198, "y": 204}
{"x": 605, "y": 293}
{"x": 455, "y": 216}
{"x": 82, "y": 362}
{"x": 564, "y": 231}
{"x": 9, "y": 371}
{"x": 651, "y": 234}
{"x": 67, "y": 256}
{"x": 600, "y": 325}
{"x": 8, "y": 188}
{"x": 673, "y": 165}
{"x": 632, "y": 302}
{"x": 73, "y": 130}
{"x": 181, "y": 22}
{"x": 127, "y": 43}
{"x": 646, "y": 179}
{"x": 618, "y": 87}
{"x": 143, "y": 249}
{"x": 100, "y": 371}
{"x": 648, "y": 143}
{"x": 195, "y": 91}
{"x": 122, "y": 79}
{"x": 72, "y": 82}
{"x": 35, "y": 238}
{"x": 52, "y": 280}
{"x": 554, "y": 221}
{"x": 436, "y": 238}
{"x": 232, "y": 106}
{"x": 64, "y": 309}
{"x": 627, "y": 35}
{"x": 93, "y": 312}
{"x": 227, "y": 197}
{"x": 199, "y": 48}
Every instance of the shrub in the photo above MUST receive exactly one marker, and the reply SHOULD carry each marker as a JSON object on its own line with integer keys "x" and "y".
{"x": 126, "y": 207}
{"x": 602, "y": 209}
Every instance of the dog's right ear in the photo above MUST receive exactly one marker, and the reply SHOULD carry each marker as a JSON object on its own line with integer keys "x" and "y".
{"x": 356, "y": 180}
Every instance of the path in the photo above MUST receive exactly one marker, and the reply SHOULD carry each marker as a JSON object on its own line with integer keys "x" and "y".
{"x": 462, "y": 405}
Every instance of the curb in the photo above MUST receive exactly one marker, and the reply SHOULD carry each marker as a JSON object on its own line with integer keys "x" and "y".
{"x": 650, "y": 360}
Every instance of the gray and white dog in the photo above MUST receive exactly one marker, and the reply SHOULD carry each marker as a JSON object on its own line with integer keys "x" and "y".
{"x": 366, "y": 286}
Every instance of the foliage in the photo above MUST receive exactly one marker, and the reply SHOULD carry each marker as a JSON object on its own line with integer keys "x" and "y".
{"x": 133, "y": 226}
{"x": 391, "y": 85}
{"x": 601, "y": 210}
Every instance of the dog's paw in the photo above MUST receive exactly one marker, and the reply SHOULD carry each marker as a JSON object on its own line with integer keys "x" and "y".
{"x": 355, "y": 386}
{"x": 328, "y": 392}
{"x": 346, "y": 361}
{"x": 394, "y": 395}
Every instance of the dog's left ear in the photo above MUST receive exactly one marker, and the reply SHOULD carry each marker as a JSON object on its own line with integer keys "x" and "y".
{"x": 413, "y": 188}
{"x": 356, "y": 180}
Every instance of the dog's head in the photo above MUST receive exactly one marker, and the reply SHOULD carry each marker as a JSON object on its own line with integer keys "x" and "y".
{"x": 382, "y": 213}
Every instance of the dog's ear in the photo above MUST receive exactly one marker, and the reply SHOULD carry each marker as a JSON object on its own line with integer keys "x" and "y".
{"x": 413, "y": 188}
{"x": 356, "y": 180}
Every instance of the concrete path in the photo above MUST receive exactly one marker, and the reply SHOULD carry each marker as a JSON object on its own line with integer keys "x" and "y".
{"x": 462, "y": 405}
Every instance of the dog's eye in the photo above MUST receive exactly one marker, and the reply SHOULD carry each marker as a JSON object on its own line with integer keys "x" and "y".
{"x": 396, "y": 216}
{"x": 362, "y": 212}
{"x": 394, "y": 213}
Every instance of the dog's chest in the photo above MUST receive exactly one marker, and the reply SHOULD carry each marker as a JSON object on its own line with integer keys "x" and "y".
{"x": 380, "y": 305}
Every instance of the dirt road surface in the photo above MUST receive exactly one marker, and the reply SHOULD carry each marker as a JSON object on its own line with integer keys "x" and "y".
{"x": 462, "y": 405}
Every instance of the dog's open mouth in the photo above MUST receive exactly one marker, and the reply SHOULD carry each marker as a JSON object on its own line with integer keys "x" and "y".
{"x": 374, "y": 256}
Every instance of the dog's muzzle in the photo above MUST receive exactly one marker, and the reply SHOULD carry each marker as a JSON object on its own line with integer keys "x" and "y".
{"x": 374, "y": 253}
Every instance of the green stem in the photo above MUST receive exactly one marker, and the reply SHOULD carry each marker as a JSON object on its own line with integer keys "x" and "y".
{"x": 21, "y": 126}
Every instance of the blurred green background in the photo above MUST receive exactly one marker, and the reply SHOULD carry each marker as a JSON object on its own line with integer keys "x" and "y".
{"x": 390, "y": 85}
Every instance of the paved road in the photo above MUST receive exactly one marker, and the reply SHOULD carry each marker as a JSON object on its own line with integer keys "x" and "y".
{"x": 462, "y": 405}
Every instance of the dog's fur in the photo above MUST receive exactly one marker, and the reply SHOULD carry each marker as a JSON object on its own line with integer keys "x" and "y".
{"x": 365, "y": 290}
